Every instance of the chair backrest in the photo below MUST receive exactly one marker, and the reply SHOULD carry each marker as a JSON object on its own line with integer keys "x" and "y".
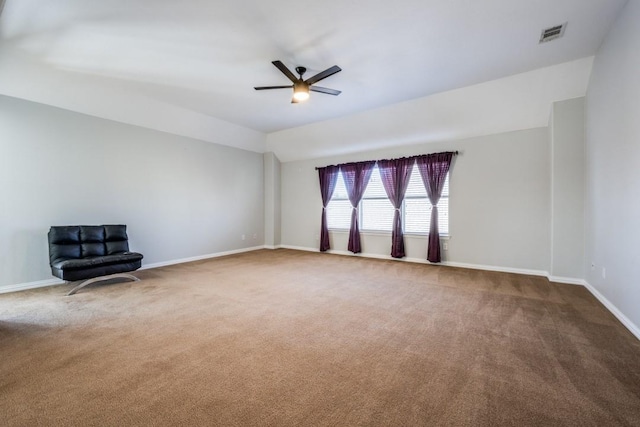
{"x": 82, "y": 241}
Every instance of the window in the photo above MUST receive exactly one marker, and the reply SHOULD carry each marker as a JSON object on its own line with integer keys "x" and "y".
{"x": 339, "y": 208}
{"x": 376, "y": 211}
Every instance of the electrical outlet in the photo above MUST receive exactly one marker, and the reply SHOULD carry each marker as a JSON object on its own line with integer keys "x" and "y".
{"x": 255, "y": 236}
{"x": 242, "y": 237}
{"x": 445, "y": 246}
{"x": 604, "y": 273}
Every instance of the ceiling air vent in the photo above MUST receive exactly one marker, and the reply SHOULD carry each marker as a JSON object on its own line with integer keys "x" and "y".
{"x": 552, "y": 33}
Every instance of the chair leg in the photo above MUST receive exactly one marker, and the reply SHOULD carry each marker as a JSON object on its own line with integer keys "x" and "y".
{"x": 101, "y": 278}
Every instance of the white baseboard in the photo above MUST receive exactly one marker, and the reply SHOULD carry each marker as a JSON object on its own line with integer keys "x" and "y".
{"x": 200, "y": 257}
{"x": 567, "y": 280}
{"x": 556, "y": 279}
{"x": 298, "y": 248}
{"x": 424, "y": 261}
{"x": 524, "y": 271}
{"x": 632, "y": 327}
{"x": 49, "y": 282}
{"x": 30, "y": 285}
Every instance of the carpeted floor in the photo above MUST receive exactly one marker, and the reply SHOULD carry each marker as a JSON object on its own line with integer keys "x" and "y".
{"x": 287, "y": 338}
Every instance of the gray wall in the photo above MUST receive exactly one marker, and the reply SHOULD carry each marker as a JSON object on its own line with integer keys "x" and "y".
{"x": 567, "y": 188}
{"x": 180, "y": 197}
{"x": 613, "y": 167}
{"x": 271, "y": 200}
{"x": 499, "y": 202}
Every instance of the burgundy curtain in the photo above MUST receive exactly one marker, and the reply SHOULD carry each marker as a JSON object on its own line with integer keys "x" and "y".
{"x": 395, "y": 176}
{"x": 356, "y": 177}
{"x": 328, "y": 178}
{"x": 433, "y": 169}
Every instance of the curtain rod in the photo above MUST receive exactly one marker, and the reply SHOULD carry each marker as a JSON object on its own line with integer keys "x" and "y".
{"x": 455, "y": 153}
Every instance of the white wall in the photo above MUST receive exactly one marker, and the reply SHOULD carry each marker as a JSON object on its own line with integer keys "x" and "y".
{"x": 613, "y": 167}
{"x": 567, "y": 188}
{"x": 179, "y": 197}
{"x": 499, "y": 202}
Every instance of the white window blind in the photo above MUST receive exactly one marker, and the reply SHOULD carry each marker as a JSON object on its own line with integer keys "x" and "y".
{"x": 376, "y": 211}
{"x": 339, "y": 208}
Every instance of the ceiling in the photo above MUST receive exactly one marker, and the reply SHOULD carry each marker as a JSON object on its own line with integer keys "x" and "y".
{"x": 204, "y": 57}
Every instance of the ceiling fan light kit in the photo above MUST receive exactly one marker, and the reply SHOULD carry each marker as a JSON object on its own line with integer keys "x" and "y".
{"x": 300, "y": 91}
{"x": 301, "y": 88}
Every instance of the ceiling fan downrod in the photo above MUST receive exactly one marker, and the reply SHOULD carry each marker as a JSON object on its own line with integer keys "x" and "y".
{"x": 301, "y": 71}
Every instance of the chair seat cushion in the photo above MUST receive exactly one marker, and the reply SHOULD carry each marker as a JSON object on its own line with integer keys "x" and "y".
{"x": 95, "y": 261}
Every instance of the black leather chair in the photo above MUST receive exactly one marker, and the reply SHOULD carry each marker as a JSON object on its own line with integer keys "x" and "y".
{"x": 91, "y": 253}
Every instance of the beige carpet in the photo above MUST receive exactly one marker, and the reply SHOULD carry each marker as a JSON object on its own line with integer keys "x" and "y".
{"x": 286, "y": 338}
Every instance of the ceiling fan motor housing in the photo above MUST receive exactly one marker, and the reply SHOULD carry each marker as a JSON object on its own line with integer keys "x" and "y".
{"x": 301, "y": 86}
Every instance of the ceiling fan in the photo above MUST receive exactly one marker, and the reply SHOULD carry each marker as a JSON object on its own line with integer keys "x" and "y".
{"x": 301, "y": 87}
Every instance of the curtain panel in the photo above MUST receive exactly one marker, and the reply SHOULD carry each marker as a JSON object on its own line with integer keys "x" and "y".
{"x": 433, "y": 170}
{"x": 395, "y": 176}
{"x": 356, "y": 177}
{"x": 328, "y": 177}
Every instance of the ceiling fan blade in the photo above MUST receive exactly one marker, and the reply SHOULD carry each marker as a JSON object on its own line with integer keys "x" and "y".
{"x": 325, "y": 90}
{"x": 272, "y": 87}
{"x": 280, "y": 66}
{"x": 323, "y": 75}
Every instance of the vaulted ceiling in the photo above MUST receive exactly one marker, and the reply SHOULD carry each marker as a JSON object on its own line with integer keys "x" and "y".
{"x": 196, "y": 61}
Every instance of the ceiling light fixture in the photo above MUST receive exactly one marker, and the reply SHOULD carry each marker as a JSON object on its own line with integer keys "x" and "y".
{"x": 300, "y": 91}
